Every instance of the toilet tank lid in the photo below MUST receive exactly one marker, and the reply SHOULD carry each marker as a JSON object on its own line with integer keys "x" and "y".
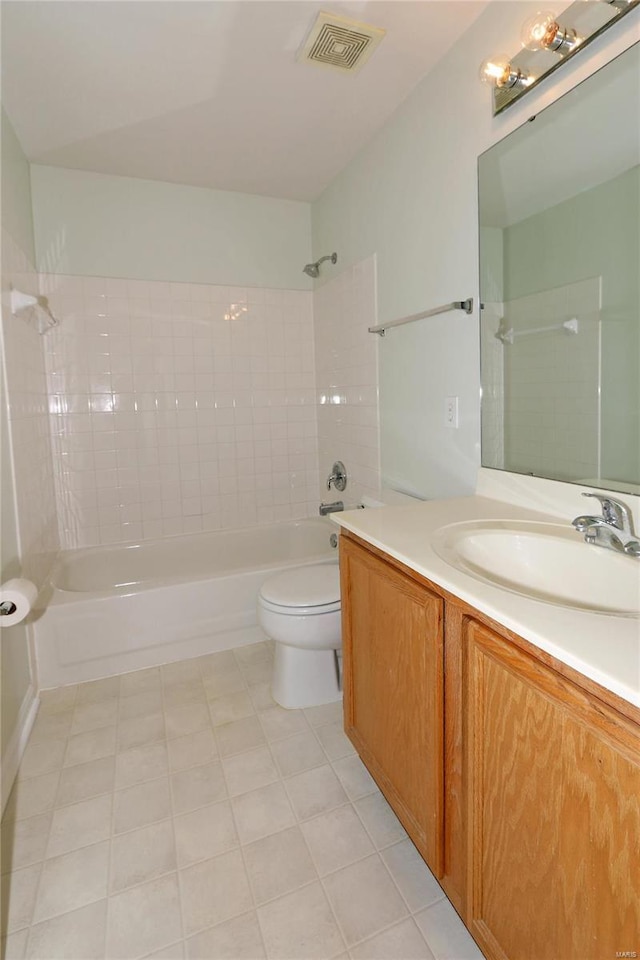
{"x": 311, "y": 586}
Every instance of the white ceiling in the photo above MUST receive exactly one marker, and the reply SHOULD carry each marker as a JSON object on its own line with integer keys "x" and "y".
{"x": 210, "y": 93}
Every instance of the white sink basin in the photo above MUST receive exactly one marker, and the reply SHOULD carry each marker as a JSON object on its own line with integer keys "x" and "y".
{"x": 543, "y": 561}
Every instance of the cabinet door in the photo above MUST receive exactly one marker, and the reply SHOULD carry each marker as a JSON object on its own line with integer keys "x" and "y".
{"x": 554, "y": 812}
{"x": 392, "y": 652}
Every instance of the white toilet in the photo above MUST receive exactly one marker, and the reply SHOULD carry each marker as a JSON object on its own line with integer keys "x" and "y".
{"x": 300, "y": 610}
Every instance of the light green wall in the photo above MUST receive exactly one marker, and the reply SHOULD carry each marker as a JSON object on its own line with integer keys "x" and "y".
{"x": 410, "y": 196}
{"x": 91, "y": 224}
{"x": 595, "y": 233}
{"x": 16, "y": 191}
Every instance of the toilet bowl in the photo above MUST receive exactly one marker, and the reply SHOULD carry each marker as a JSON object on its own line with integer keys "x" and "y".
{"x": 300, "y": 610}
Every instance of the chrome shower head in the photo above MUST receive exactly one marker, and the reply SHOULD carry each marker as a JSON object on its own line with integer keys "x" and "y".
{"x": 313, "y": 269}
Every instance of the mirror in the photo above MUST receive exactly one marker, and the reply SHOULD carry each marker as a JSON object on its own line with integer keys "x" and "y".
{"x": 559, "y": 202}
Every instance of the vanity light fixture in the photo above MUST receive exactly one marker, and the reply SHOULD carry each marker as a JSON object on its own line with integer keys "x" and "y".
{"x": 548, "y": 39}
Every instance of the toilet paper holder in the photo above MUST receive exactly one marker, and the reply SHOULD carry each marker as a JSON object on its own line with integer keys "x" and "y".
{"x": 7, "y": 607}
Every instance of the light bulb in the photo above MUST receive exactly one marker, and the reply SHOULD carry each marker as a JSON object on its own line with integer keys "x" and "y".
{"x": 499, "y": 72}
{"x": 543, "y": 32}
{"x": 495, "y": 70}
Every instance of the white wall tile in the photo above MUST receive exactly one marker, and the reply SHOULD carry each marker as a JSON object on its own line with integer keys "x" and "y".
{"x": 162, "y": 396}
{"x": 347, "y": 380}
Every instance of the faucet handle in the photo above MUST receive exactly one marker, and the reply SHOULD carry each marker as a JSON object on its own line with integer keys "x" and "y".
{"x": 614, "y": 512}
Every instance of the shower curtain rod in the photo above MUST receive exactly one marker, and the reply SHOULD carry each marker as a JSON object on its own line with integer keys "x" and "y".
{"x": 466, "y": 305}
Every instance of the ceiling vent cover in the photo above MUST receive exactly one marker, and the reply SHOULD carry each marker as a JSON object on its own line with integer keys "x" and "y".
{"x": 341, "y": 43}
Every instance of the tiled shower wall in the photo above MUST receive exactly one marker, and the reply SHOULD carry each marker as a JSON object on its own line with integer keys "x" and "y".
{"x": 26, "y": 393}
{"x": 177, "y": 408}
{"x": 347, "y": 381}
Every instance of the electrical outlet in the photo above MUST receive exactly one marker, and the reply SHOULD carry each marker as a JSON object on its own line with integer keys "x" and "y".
{"x": 451, "y": 413}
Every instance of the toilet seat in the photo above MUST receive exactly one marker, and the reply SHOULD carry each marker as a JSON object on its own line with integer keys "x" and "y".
{"x": 304, "y": 591}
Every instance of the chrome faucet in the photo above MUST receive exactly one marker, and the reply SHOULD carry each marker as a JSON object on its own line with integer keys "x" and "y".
{"x": 614, "y": 529}
{"x": 335, "y": 507}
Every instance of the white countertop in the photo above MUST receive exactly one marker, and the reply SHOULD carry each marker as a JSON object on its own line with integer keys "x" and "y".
{"x": 602, "y": 647}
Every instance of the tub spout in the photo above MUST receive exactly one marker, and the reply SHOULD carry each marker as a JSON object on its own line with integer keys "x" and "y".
{"x": 335, "y": 507}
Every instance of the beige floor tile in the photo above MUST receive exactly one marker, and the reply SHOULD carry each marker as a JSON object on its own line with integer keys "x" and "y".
{"x": 239, "y": 736}
{"x": 90, "y": 746}
{"x": 79, "y": 825}
{"x": 140, "y": 704}
{"x": 335, "y": 742}
{"x": 43, "y": 757}
{"x": 336, "y": 839}
{"x": 140, "y": 731}
{"x": 186, "y": 718}
{"x": 253, "y": 653}
{"x": 314, "y": 792}
{"x": 260, "y": 694}
{"x": 415, "y": 881}
{"x": 232, "y": 706}
{"x": 300, "y": 926}
{"x": 86, "y": 780}
{"x": 32, "y": 797}
{"x": 18, "y": 897}
{"x": 380, "y": 821}
{"x": 205, "y": 833}
{"x": 298, "y": 753}
{"x": 140, "y": 764}
{"x": 180, "y": 671}
{"x": 174, "y": 951}
{"x": 324, "y": 714}
{"x": 143, "y": 919}
{"x": 192, "y": 750}
{"x": 186, "y": 692}
{"x": 364, "y": 899}
{"x": 237, "y": 939}
{"x": 403, "y": 940}
{"x": 72, "y": 881}
{"x": 262, "y": 812}
{"x": 248, "y": 771}
{"x": 445, "y": 933}
{"x": 51, "y": 726}
{"x": 260, "y": 672}
{"x": 354, "y": 777}
{"x": 278, "y": 723}
{"x": 141, "y": 805}
{"x": 214, "y": 891}
{"x": 96, "y": 690}
{"x": 141, "y": 681}
{"x": 59, "y": 700}
{"x": 197, "y": 787}
{"x": 142, "y": 855}
{"x": 79, "y": 935}
{"x": 223, "y": 681}
{"x": 92, "y": 716}
{"x": 24, "y": 841}
{"x": 215, "y": 664}
{"x": 14, "y": 947}
{"x": 278, "y": 864}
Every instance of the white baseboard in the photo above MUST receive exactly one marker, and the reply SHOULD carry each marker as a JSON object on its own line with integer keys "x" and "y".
{"x": 16, "y": 746}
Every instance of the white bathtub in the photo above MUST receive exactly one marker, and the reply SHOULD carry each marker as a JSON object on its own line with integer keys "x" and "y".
{"x": 113, "y": 609}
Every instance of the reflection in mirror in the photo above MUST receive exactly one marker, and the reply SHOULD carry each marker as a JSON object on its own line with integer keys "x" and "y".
{"x": 560, "y": 284}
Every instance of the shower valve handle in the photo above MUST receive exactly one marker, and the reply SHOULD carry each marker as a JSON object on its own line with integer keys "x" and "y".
{"x": 337, "y": 477}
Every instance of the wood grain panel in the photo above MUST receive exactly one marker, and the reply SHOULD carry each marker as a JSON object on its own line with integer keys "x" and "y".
{"x": 554, "y": 812}
{"x": 393, "y": 689}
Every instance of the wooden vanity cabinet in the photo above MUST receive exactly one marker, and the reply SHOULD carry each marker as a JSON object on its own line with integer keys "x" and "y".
{"x": 552, "y": 778}
{"x": 517, "y": 778}
{"x": 392, "y": 645}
